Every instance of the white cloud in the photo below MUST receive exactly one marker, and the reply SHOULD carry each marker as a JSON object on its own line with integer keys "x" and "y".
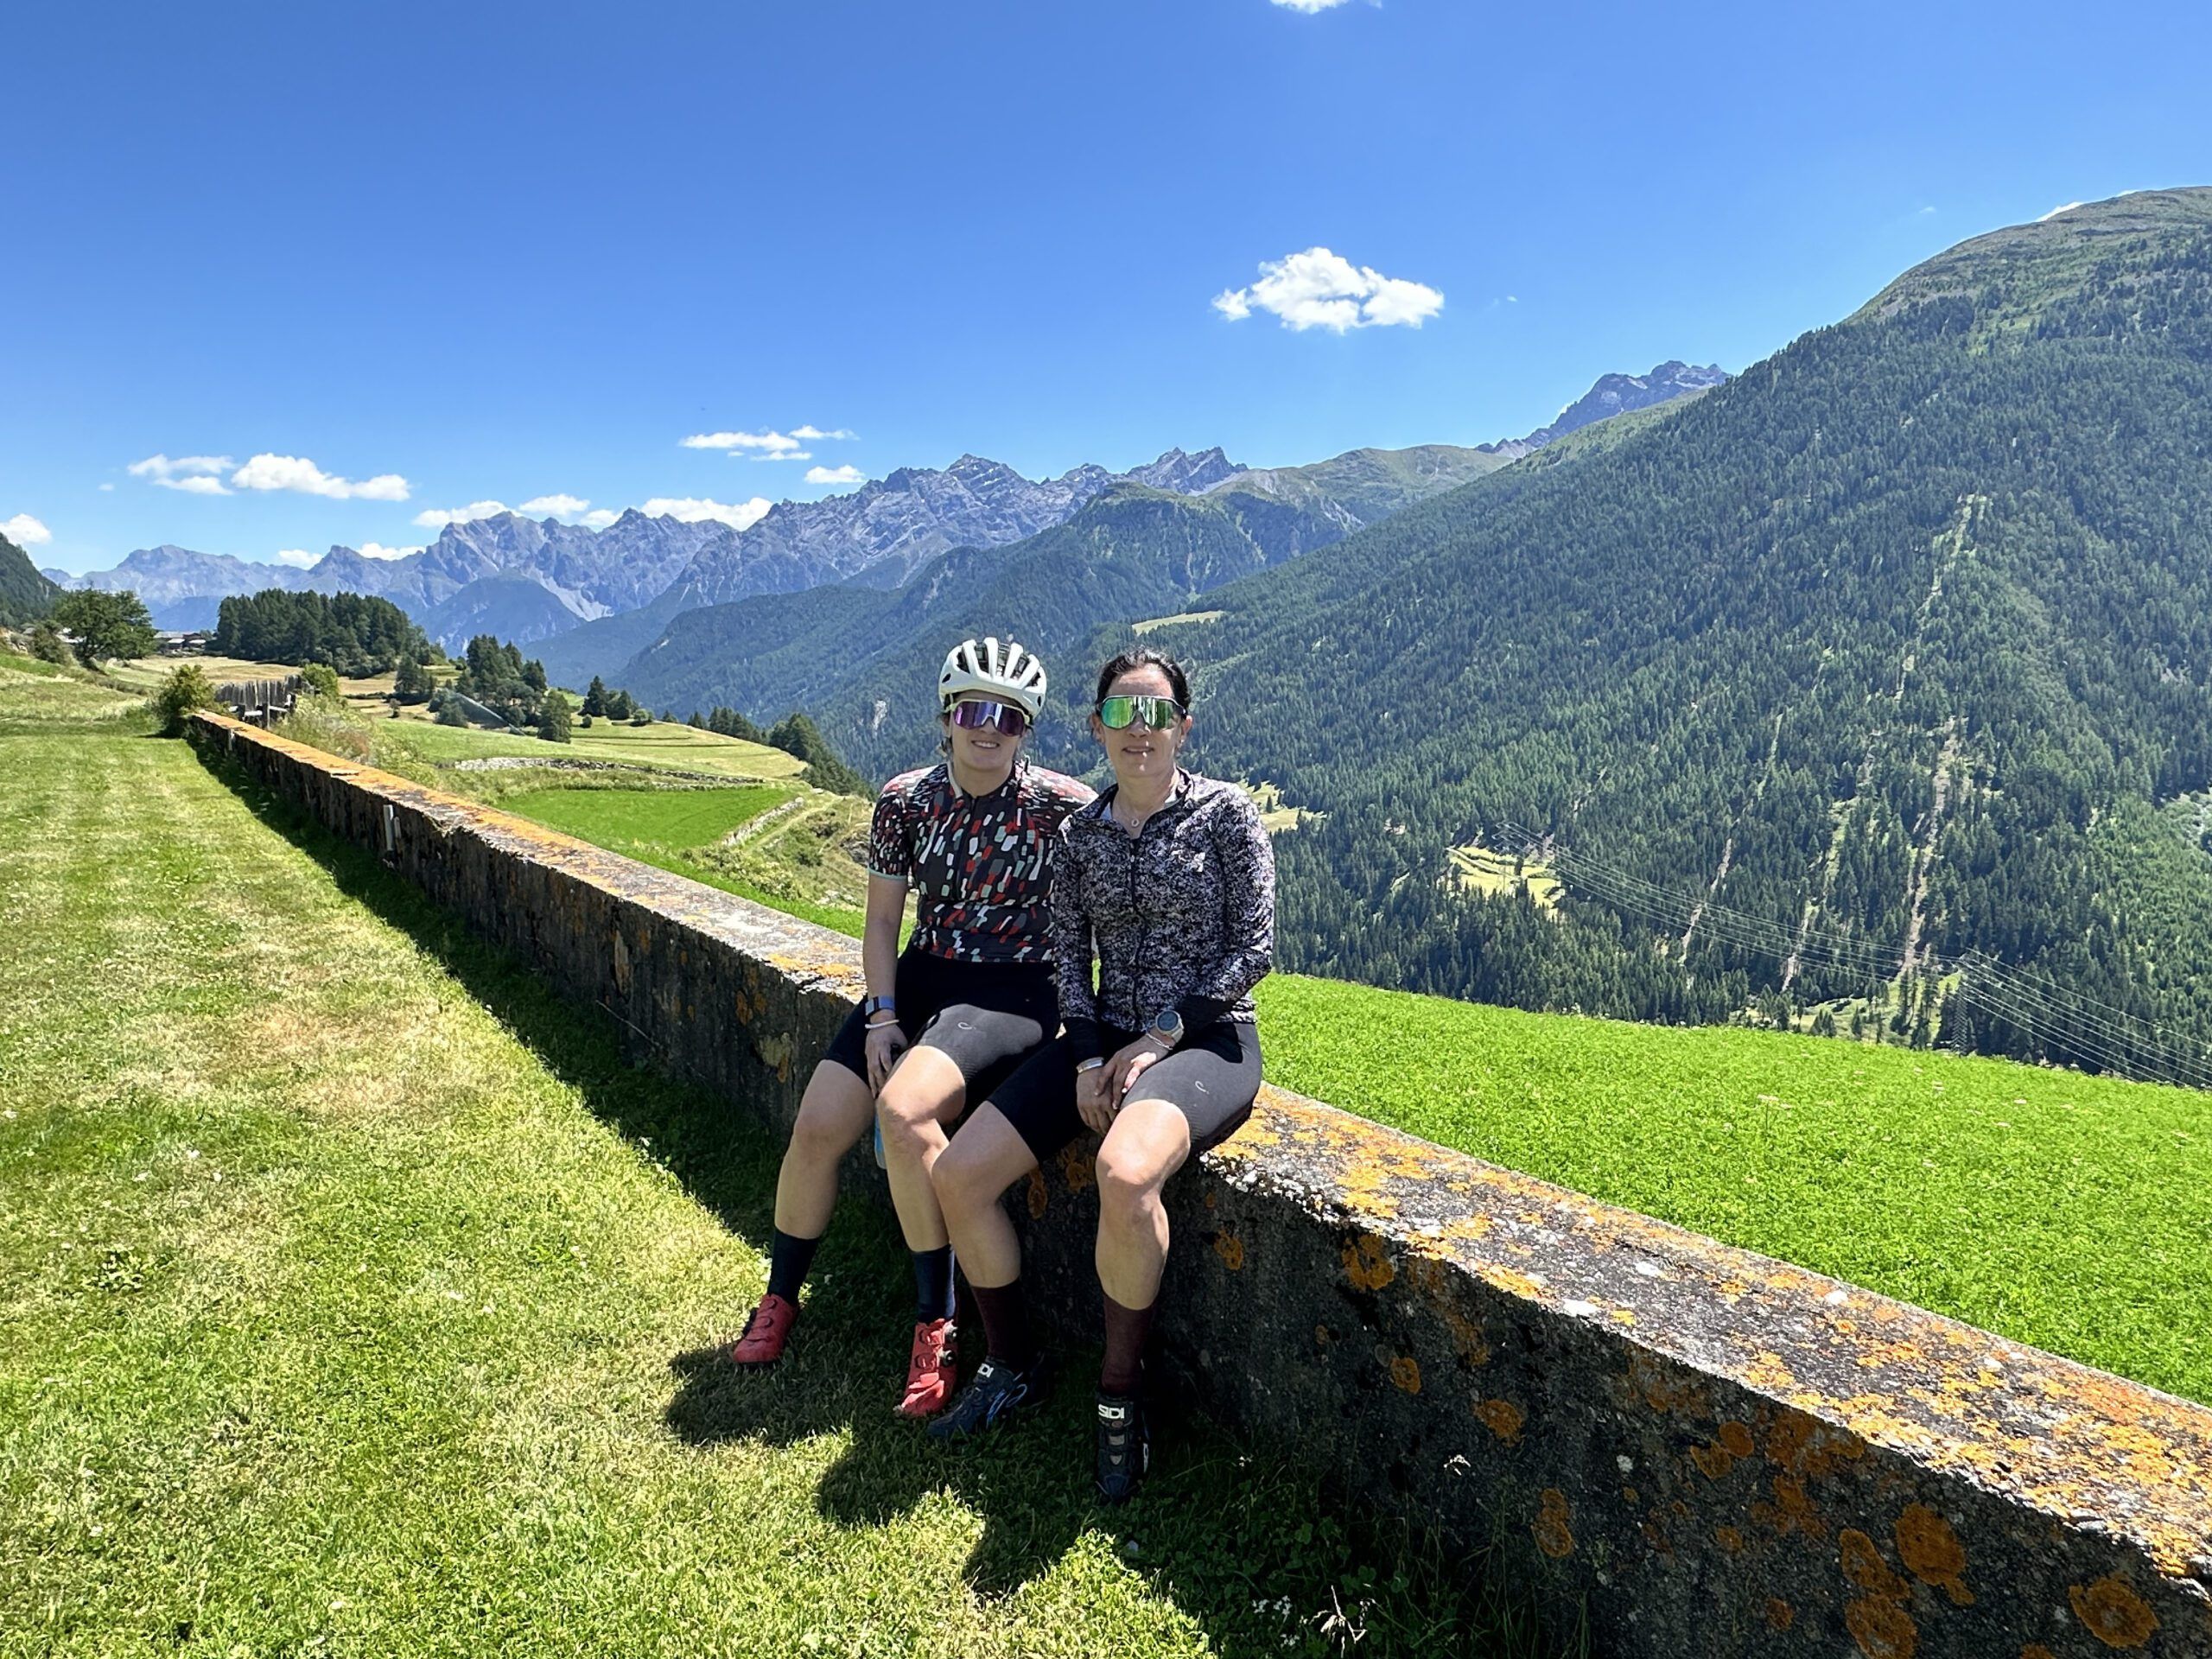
{"x": 600, "y": 518}
{"x": 25, "y": 531}
{"x": 194, "y": 475}
{"x": 298, "y": 558}
{"x": 563, "y": 506}
{"x": 845, "y": 474}
{"x": 378, "y": 551}
{"x": 105, "y": 488}
{"x": 692, "y": 509}
{"x": 766, "y": 446}
{"x": 1309, "y": 7}
{"x": 1320, "y": 290}
{"x": 294, "y": 472}
{"x": 2062, "y": 207}
{"x": 439, "y": 518}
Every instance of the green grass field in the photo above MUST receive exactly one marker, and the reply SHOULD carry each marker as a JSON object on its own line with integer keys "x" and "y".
{"x": 663, "y": 743}
{"x": 2068, "y": 1212}
{"x": 355, "y": 1296}
{"x": 635, "y": 821}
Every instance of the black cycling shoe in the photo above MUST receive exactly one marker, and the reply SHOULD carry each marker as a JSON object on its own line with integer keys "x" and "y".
{"x": 1124, "y": 1447}
{"x": 996, "y": 1392}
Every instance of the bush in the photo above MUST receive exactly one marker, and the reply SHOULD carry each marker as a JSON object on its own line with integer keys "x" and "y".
{"x": 327, "y": 724}
{"x": 321, "y": 679}
{"x": 188, "y": 687}
{"x": 642, "y": 717}
{"x": 48, "y": 646}
{"x": 445, "y": 708}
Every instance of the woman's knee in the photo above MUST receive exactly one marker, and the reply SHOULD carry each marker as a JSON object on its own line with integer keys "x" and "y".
{"x": 825, "y": 1129}
{"x": 1129, "y": 1185}
{"x": 965, "y": 1182}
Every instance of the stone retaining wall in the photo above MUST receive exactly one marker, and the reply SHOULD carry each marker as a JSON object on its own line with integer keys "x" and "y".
{"x": 1712, "y": 1453}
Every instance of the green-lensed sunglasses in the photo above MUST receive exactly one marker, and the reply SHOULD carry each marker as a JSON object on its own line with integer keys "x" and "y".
{"x": 1118, "y": 713}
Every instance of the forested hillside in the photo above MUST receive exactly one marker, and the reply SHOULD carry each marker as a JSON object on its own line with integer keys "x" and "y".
{"x": 1888, "y": 661}
{"x": 25, "y": 594}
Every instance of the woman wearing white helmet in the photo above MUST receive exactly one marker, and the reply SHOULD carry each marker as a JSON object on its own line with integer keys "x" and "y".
{"x": 974, "y": 839}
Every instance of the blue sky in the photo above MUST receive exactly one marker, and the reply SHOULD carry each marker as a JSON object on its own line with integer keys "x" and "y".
{"x": 504, "y": 253}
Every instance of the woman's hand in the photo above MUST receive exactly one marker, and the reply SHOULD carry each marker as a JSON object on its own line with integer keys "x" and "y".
{"x": 1094, "y": 1100}
{"x": 885, "y": 1043}
{"x": 1131, "y": 1063}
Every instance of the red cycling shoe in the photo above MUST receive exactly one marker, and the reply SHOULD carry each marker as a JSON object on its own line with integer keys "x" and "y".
{"x": 765, "y": 1332}
{"x": 931, "y": 1370}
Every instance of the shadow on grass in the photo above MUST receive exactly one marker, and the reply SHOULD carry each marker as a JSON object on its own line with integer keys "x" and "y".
{"x": 1245, "y": 1544}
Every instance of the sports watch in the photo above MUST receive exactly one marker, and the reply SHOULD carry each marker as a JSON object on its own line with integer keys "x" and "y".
{"x": 1167, "y": 1026}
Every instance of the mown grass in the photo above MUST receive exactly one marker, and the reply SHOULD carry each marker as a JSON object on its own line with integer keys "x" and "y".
{"x": 661, "y": 820}
{"x": 39, "y": 697}
{"x": 355, "y": 1296}
{"x": 663, "y": 743}
{"x": 2071, "y": 1213}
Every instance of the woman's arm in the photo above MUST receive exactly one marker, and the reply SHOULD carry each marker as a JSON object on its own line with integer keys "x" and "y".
{"x": 1248, "y": 921}
{"x": 887, "y": 909}
{"x": 1070, "y": 930}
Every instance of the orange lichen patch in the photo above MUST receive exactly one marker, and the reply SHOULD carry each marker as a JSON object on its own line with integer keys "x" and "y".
{"x": 1503, "y": 1418}
{"x": 2037, "y": 1651}
{"x": 1078, "y": 1167}
{"x": 1467, "y": 1339}
{"x": 1321, "y": 1336}
{"x": 1882, "y": 1630}
{"x": 1367, "y": 1262}
{"x": 1038, "y": 1198}
{"x": 1514, "y": 1284}
{"x": 1791, "y": 1510}
{"x": 1805, "y": 1446}
{"x": 1664, "y": 1387}
{"x": 1864, "y": 1565}
{"x": 2113, "y": 1613}
{"x": 1553, "y": 1535}
{"x": 1729, "y": 1539}
{"x": 1780, "y": 1615}
{"x": 775, "y": 1051}
{"x": 1732, "y": 1442}
{"x": 1932, "y": 1550}
{"x": 1405, "y": 1371}
{"x": 1230, "y": 1250}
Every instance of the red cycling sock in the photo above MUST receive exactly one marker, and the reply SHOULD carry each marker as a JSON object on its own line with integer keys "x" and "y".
{"x": 1126, "y": 1331}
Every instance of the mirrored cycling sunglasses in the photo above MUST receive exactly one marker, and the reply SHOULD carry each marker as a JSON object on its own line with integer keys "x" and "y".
{"x": 1117, "y": 714}
{"x": 978, "y": 716}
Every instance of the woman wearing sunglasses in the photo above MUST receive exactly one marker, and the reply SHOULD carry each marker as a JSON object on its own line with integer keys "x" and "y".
{"x": 974, "y": 839}
{"x": 1168, "y": 879}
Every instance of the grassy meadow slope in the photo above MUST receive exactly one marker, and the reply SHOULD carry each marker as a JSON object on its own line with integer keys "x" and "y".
{"x": 1819, "y": 692}
{"x": 360, "y": 1298}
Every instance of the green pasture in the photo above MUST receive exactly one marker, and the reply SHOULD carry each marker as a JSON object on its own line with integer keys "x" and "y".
{"x": 639, "y": 821}
{"x": 2071, "y": 1213}
{"x": 663, "y": 743}
{"x": 356, "y": 1297}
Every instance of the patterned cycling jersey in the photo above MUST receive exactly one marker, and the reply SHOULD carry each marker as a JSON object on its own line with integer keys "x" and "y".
{"x": 981, "y": 866}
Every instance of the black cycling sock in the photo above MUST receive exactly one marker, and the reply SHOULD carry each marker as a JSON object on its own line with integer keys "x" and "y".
{"x": 1126, "y": 1331}
{"x": 788, "y": 1259}
{"x": 932, "y": 1284}
{"x": 1006, "y": 1324}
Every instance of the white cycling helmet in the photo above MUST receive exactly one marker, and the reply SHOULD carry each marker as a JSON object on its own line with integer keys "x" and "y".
{"x": 998, "y": 669}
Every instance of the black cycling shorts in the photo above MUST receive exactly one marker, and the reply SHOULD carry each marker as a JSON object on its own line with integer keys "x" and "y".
{"x": 1212, "y": 1078}
{"x": 983, "y": 1016}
